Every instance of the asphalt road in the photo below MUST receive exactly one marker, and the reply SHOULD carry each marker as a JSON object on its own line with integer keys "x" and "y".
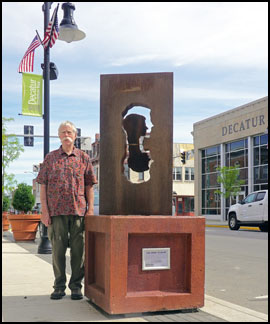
{"x": 237, "y": 267}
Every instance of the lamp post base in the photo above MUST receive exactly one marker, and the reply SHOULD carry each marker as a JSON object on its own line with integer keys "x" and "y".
{"x": 45, "y": 244}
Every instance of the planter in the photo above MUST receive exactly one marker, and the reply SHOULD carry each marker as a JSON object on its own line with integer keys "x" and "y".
{"x": 5, "y": 222}
{"x": 24, "y": 226}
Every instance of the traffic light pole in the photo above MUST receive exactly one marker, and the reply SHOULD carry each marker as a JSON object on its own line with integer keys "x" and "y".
{"x": 45, "y": 245}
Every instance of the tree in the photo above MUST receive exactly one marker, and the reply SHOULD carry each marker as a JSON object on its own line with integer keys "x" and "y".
{"x": 11, "y": 150}
{"x": 6, "y": 204}
{"x": 229, "y": 178}
{"x": 23, "y": 199}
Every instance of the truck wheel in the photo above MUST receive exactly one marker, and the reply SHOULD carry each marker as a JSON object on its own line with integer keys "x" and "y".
{"x": 264, "y": 227}
{"x": 234, "y": 226}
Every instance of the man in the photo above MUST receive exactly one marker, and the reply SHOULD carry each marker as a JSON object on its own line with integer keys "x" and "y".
{"x": 67, "y": 178}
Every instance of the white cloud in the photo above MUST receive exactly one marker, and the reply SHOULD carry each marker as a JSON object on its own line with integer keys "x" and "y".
{"x": 134, "y": 37}
{"x": 222, "y": 33}
{"x": 182, "y": 33}
{"x": 214, "y": 94}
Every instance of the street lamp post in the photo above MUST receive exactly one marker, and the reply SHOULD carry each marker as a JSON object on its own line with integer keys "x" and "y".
{"x": 67, "y": 27}
{"x": 45, "y": 245}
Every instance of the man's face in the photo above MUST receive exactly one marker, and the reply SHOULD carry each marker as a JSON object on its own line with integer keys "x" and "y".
{"x": 67, "y": 135}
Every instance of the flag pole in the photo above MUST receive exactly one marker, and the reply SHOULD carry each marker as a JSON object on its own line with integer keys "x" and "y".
{"x": 39, "y": 38}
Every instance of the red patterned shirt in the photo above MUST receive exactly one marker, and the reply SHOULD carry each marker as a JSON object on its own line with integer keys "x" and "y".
{"x": 66, "y": 177}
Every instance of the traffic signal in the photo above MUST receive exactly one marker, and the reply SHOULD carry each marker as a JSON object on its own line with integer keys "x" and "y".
{"x": 183, "y": 157}
{"x": 28, "y": 140}
{"x": 77, "y": 142}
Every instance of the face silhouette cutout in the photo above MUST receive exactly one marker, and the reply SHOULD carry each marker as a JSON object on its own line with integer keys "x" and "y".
{"x": 135, "y": 127}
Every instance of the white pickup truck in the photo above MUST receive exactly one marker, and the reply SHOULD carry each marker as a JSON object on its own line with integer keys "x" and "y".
{"x": 252, "y": 211}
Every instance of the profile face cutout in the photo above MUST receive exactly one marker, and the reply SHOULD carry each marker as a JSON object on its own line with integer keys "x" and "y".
{"x": 136, "y": 157}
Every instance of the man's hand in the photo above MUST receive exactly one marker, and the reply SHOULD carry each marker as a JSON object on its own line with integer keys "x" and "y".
{"x": 46, "y": 219}
{"x": 89, "y": 190}
{"x": 89, "y": 212}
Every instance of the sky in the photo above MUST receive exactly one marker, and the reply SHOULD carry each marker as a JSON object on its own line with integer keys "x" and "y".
{"x": 217, "y": 51}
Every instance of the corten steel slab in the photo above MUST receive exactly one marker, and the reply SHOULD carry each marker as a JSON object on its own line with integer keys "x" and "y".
{"x": 118, "y": 94}
{"x": 114, "y": 277}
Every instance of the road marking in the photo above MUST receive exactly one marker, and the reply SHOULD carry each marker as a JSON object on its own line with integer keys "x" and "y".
{"x": 262, "y": 297}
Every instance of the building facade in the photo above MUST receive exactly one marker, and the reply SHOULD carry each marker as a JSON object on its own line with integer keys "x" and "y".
{"x": 238, "y": 137}
{"x": 183, "y": 179}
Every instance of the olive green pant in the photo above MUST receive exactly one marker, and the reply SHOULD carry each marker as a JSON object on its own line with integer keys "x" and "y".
{"x": 64, "y": 231}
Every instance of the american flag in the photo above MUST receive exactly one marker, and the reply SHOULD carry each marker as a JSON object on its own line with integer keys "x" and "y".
{"x": 52, "y": 31}
{"x": 27, "y": 62}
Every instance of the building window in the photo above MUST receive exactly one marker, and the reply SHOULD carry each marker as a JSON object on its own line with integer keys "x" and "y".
{"x": 96, "y": 172}
{"x": 236, "y": 154}
{"x": 192, "y": 173}
{"x": 260, "y": 168}
{"x": 210, "y": 162}
{"x": 126, "y": 171}
{"x": 189, "y": 174}
{"x": 177, "y": 173}
{"x": 141, "y": 176}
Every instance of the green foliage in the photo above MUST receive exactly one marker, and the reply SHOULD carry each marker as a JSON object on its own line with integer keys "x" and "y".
{"x": 10, "y": 183}
{"x": 11, "y": 149}
{"x": 23, "y": 199}
{"x": 6, "y": 203}
{"x": 229, "y": 177}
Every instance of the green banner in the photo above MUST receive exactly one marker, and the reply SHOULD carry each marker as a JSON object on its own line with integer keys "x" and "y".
{"x": 32, "y": 94}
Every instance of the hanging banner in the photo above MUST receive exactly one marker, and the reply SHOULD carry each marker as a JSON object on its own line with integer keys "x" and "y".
{"x": 31, "y": 94}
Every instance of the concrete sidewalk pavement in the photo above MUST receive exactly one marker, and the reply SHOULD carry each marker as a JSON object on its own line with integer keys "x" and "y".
{"x": 27, "y": 285}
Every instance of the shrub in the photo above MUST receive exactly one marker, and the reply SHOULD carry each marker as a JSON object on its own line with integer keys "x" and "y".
{"x": 23, "y": 199}
{"x": 6, "y": 204}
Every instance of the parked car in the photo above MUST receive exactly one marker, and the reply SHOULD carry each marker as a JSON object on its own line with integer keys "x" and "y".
{"x": 252, "y": 211}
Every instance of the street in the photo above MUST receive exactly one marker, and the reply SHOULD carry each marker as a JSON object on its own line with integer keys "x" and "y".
{"x": 237, "y": 267}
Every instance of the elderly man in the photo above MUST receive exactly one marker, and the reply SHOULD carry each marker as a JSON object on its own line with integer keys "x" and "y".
{"x": 67, "y": 178}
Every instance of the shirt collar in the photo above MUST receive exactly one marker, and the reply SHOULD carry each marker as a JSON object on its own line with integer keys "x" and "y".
{"x": 75, "y": 151}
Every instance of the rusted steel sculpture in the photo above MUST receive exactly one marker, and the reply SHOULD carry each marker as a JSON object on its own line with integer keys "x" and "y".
{"x": 139, "y": 257}
{"x": 119, "y": 94}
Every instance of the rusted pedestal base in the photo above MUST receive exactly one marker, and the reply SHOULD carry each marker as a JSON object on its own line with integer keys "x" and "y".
{"x": 114, "y": 279}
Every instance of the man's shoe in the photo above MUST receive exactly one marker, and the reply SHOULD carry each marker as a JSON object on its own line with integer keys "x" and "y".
{"x": 76, "y": 294}
{"x": 58, "y": 294}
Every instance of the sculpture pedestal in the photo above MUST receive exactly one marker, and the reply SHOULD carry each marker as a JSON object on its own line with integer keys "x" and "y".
{"x": 114, "y": 278}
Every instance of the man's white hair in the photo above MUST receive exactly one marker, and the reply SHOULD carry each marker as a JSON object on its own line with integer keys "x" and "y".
{"x": 67, "y": 123}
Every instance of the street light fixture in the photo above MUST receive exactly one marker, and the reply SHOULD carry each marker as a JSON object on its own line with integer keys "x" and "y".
{"x": 69, "y": 32}
{"x": 30, "y": 172}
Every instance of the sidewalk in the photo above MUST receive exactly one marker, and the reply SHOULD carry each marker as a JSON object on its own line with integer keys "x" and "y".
{"x": 27, "y": 285}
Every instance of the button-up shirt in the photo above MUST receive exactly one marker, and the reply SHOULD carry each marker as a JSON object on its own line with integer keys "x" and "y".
{"x": 66, "y": 177}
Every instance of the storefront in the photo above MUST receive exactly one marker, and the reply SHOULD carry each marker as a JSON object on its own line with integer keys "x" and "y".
{"x": 184, "y": 205}
{"x": 238, "y": 137}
